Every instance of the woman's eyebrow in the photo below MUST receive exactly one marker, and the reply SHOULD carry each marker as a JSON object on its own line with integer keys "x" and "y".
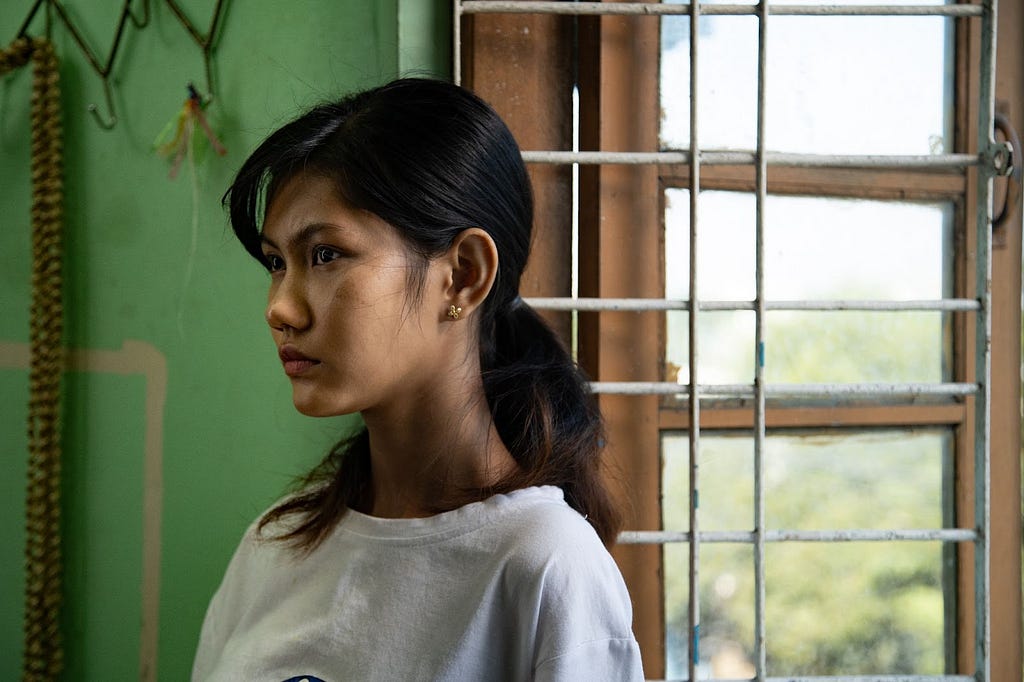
{"x": 303, "y": 236}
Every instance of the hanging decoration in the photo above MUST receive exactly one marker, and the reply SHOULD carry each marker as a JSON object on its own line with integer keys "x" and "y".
{"x": 179, "y": 142}
{"x": 43, "y": 652}
{"x": 178, "y": 139}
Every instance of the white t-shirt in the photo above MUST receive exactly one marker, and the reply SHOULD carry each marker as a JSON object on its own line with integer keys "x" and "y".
{"x": 516, "y": 587}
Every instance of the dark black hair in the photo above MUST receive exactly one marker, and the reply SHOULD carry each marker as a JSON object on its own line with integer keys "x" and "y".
{"x": 432, "y": 159}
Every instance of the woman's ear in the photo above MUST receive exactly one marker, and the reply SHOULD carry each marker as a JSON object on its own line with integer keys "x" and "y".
{"x": 473, "y": 259}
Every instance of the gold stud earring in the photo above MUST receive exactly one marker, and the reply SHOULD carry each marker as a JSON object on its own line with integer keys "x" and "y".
{"x": 454, "y": 312}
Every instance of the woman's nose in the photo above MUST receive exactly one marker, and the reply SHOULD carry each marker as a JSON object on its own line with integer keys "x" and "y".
{"x": 287, "y": 306}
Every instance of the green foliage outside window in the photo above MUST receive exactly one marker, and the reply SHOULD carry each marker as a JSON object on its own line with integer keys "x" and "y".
{"x": 831, "y": 608}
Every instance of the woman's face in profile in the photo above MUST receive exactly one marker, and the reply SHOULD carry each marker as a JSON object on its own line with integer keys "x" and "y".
{"x": 350, "y": 334}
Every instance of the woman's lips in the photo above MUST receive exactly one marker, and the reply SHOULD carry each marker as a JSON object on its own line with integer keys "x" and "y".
{"x": 295, "y": 362}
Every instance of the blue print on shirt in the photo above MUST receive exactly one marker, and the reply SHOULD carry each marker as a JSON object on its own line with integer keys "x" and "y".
{"x": 303, "y": 678}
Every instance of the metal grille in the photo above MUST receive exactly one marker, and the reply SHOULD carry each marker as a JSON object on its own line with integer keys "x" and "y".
{"x": 990, "y": 161}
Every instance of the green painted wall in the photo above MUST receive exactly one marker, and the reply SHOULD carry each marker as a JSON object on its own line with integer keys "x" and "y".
{"x": 136, "y": 271}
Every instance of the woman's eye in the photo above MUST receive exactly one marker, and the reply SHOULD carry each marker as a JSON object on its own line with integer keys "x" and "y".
{"x": 273, "y": 262}
{"x": 324, "y": 254}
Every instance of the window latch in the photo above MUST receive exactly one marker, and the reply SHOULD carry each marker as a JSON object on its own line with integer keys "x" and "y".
{"x": 1005, "y": 159}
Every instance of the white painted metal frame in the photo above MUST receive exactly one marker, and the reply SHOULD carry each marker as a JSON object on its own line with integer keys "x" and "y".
{"x": 990, "y": 161}
{"x": 644, "y": 8}
{"x": 710, "y": 157}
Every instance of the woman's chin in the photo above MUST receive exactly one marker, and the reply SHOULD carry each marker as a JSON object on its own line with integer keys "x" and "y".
{"x": 314, "y": 407}
{"x": 312, "y": 410}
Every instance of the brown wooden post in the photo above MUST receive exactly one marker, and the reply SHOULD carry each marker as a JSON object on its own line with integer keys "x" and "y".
{"x": 621, "y": 256}
{"x": 1005, "y": 654}
{"x": 522, "y": 64}
{"x": 1005, "y": 489}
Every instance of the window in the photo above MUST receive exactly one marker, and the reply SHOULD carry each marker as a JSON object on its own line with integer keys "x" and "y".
{"x": 830, "y": 482}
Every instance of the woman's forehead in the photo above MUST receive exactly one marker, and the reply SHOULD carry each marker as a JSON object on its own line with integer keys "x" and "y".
{"x": 307, "y": 202}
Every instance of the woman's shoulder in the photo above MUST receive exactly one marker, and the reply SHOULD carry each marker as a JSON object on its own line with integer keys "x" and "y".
{"x": 540, "y": 517}
{"x": 546, "y": 537}
{"x": 559, "y": 568}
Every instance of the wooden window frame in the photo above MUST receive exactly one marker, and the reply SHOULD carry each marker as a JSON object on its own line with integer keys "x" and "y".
{"x": 525, "y": 65}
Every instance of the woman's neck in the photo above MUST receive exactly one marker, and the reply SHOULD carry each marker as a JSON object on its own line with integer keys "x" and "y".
{"x": 438, "y": 444}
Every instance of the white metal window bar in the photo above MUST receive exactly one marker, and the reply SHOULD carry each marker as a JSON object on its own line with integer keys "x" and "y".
{"x": 642, "y": 8}
{"x": 640, "y": 304}
{"x": 721, "y": 158}
{"x": 992, "y": 160}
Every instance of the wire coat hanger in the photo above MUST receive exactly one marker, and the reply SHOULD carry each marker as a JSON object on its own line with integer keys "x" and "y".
{"x": 205, "y": 43}
{"x": 103, "y": 69}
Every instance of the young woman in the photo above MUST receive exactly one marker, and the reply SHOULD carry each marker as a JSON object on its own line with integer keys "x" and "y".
{"x": 461, "y": 534}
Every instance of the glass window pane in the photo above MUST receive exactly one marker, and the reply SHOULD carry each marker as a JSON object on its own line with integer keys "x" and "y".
{"x": 854, "y": 609}
{"x": 853, "y": 347}
{"x": 726, "y": 245}
{"x": 727, "y": 482}
{"x": 726, "y": 347}
{"x": 816, "y": 248}
{"x": 872, "y": 608}
{"x": 726, "y": 620}
{"x": 836, "y": 85}
{"x": 728, "y": 82}
{"x": 819, "y": 247}
{"x": 859, "y": 479}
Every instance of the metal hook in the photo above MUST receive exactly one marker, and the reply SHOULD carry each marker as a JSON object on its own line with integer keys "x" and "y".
{"x": 139, "y": 23}
{"x": 94, "y": 110}
{"x": 209, "y": 77}
{"x": 205, "y": 43}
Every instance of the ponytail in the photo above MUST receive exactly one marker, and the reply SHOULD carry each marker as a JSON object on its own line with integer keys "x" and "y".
{"x": 546, "y": 414}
